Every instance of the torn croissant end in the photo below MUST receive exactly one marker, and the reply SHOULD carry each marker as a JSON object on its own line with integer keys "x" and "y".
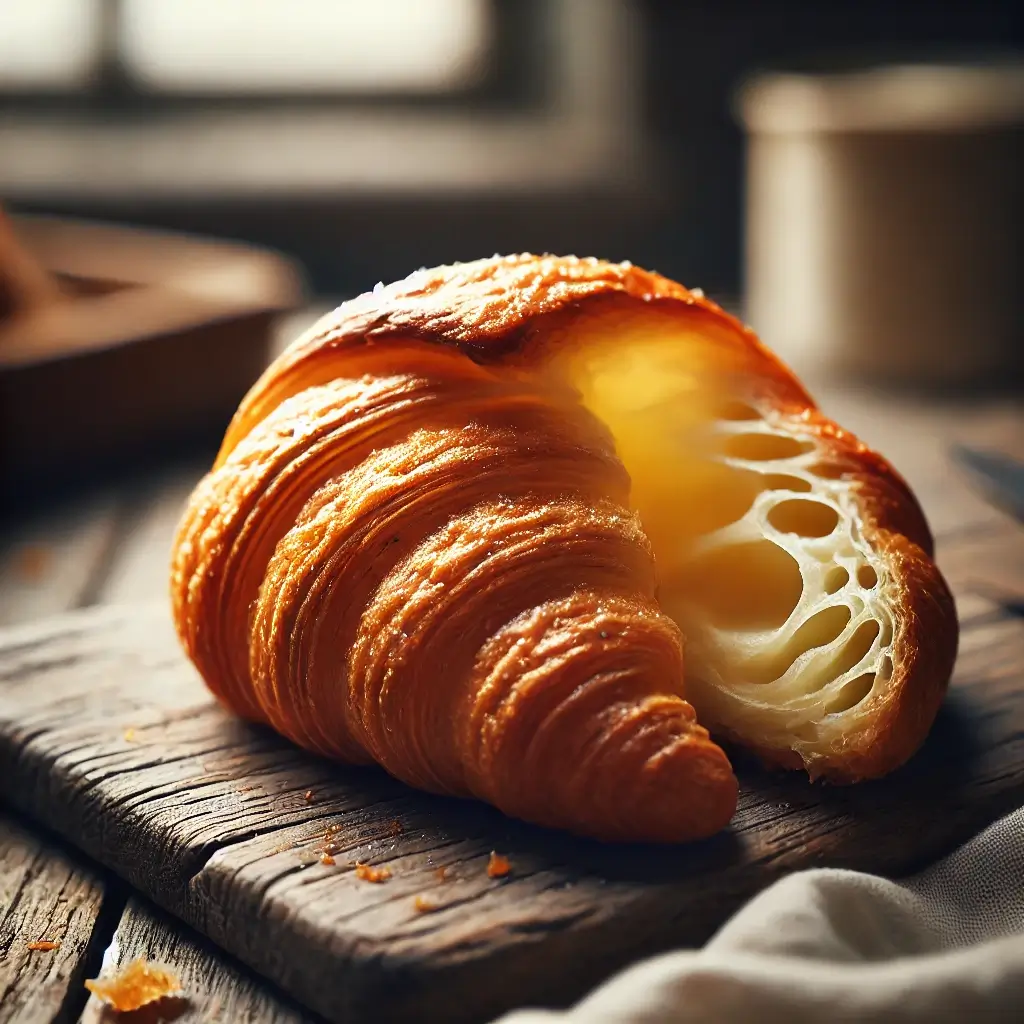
{"x": 465, "y": 527}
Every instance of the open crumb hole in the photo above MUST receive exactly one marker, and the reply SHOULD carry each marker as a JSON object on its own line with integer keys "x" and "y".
{"x": 821, "y": 629}
{"x": 733, "y": 410}
{"x": 784, "y": 482}
{"x": 851, "y": 694}
{"x": 855, "y": 649}
{"x": 835, "y": 579}
{"x": 727, "y": 495}
{"x": 764, "y": 447}
{"x": 746, "y": 586}
{"x": 803, "y": 517}
{"x": 867, "y": 577}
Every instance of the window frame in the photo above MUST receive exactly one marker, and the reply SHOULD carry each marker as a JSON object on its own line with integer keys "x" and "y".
{"x": 113, "y": 91}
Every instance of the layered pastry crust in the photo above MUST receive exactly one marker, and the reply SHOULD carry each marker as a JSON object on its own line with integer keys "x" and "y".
{"x": 467, "y": 526}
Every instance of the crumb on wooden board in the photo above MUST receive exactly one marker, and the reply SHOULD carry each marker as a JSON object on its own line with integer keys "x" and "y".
{"x": 135, "y": 985}
{"x": 327, "y": 852}
{"x": 368, "y": 873}
{"x": 32, "y": 561}
{"x": 43, "y": 945}
{"x": 498, "y": 865}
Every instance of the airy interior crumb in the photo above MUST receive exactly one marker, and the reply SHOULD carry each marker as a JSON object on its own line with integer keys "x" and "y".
{"x": 757, "y": 536}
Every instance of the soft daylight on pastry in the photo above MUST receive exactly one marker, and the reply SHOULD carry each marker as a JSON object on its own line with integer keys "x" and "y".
{"x": 502, "y": 526}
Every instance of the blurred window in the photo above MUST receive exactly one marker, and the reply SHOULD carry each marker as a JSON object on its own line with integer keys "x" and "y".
{"x": 246, "y": 47}
{"x": 323, "y": 102}
{"x": 49, "y": 44}
{"x": 304, "y": 45}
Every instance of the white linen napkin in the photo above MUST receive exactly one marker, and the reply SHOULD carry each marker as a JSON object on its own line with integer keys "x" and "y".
{"x": 946, "y": 945}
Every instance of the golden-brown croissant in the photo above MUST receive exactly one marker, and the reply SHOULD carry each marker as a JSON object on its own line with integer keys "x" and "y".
{"x": 466, "y": 526}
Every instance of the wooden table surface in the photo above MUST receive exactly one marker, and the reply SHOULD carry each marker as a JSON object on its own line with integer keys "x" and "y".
{"x": 111, "y": 546}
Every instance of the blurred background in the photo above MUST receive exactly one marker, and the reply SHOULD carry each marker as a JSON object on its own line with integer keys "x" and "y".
{"x": 367, "y": 139}
{"x": 189, "y": 183}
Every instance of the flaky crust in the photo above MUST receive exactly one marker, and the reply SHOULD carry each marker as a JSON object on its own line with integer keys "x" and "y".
{"x": 414, "y": 549}
{"x": 508, "y": 309}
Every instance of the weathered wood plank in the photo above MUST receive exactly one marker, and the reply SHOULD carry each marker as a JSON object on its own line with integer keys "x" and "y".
{"x": 139, "y": 566}
{"x": 51, "y": 563}
{"x": 106, "y": 548}
{"x": 215, "y": 989}
{"x": 47, "y": 896}
{"x": 108, "y": 735}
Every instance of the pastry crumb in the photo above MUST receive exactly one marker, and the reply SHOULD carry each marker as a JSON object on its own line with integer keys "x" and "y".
{"x": 309, "y": 796}
{"x": 395, "y": 828}
{"x": 136, "y": 985}
{"x": 327, "y": 859}
{"x": 129, "y": 735}
{"x": 368, "y": 873}
{"x": 441, "y": 873}
{"x": 424, "y": 905}
{"x": 498, "y": 865}
{"x": 32, "y": 561}
{"x": 43, "y": 945}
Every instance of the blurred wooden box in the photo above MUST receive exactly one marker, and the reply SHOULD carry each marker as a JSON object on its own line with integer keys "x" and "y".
{"x": 155, "y": 340}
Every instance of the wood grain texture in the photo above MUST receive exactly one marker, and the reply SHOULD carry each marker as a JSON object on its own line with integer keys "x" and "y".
{"x": 153, "y": 504}
{"x": 47, "y": 896}
{"x": 106, "y": 547}
{"x": 107, "y": 735}
{"x": 215, "y": 989}
{"x": 51, "y": 563}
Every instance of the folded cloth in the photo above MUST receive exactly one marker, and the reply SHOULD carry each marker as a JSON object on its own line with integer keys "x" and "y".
{"x": 842, "y": 946}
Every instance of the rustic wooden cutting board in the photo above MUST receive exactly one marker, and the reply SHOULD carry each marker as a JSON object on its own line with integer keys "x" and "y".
{"x": 108, "y": 736}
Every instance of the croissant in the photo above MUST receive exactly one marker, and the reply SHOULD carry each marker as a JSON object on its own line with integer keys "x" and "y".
{"x": 466, "y": 527}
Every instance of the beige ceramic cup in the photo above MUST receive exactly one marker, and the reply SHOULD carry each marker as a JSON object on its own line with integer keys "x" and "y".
{"x": 885, "y": 220}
